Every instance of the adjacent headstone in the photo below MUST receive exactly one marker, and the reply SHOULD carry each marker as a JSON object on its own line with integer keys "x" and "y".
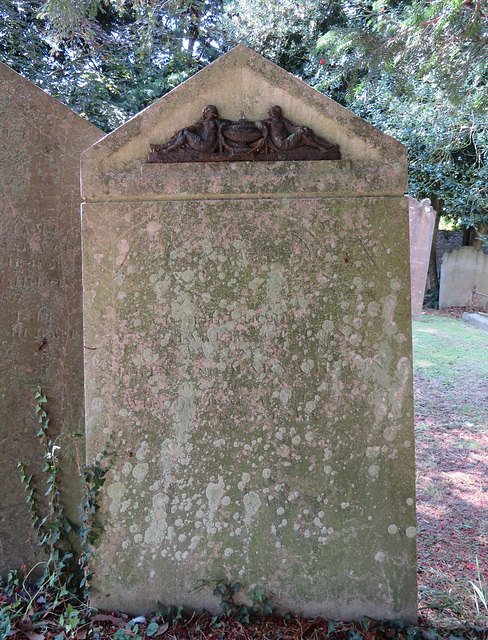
{"x": 461, "y": 271}
{"x": 478, "y": 320}
{"x": 40, "y": 313}
{"x": 249, "y": 329}
{"x": 422, "y": 221}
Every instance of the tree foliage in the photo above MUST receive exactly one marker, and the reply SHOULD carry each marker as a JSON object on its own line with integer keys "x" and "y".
{"x": 284, "y": 32}
{"x": 107, "y": 59}
{"x": 417, "y": 69}
{"x": 23, "y": 45}
{"x": 437, "y": 41}
{"x": 448, "y": 147}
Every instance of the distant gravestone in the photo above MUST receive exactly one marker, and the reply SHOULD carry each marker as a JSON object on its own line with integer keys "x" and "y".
{"x": 462, "y": 271}
{"x": 41, "y": 311}
{"x": 422, "y": 221}
{"x": 249, "y": 331}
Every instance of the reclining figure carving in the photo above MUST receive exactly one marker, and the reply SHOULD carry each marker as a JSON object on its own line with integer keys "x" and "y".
{"x": 212, "y": 139}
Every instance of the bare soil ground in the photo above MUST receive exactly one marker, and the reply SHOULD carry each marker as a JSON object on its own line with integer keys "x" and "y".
{"x": 451, "y": 421}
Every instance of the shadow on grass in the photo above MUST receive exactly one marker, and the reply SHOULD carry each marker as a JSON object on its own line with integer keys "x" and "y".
{"x": 451, "y": 418}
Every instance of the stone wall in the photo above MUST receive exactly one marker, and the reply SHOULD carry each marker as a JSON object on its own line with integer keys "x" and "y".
{"x": 41, "y": 311}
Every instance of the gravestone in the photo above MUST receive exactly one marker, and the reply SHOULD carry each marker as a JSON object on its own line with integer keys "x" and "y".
{"x": 249, "y": 329}
{"x": 463, "y": 270}
{"x": 422, "y": 221}
{"x": 41, "y": 310}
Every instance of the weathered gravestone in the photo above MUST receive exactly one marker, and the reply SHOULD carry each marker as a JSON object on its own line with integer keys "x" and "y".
{"x": 422, "y": 221}
{"x": 41, "y": 311}
{"x": 249, "y": 327}
{"x": 463, "y": 270}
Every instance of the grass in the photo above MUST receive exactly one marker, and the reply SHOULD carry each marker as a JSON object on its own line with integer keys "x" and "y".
{"x": 448, "y": 347}
{"x": 452, "y": 356}
{"x": 451, "y": 424}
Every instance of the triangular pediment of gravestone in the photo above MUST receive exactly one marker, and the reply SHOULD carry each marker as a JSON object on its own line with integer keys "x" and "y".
{"x": 240, "y": 83}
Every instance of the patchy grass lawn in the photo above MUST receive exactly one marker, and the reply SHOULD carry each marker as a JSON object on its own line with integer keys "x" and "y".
{"x": 451, "y": 424}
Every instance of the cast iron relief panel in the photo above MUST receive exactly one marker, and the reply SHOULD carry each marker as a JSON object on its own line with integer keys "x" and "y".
{"x": 212, "y": 139}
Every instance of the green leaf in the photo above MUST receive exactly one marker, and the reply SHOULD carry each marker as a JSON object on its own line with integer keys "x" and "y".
{"x": 152, "y": 627}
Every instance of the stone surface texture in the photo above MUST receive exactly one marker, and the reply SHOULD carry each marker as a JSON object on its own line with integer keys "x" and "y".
{"x": 40, "y": 258}
{"x": 478, "y": 320}
{"x": 461, "y": 270}
{"x": 249, "y": 329}
{"x": 422, "y": 221}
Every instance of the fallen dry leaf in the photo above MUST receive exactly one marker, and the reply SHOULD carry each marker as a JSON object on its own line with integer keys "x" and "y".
{"x": 116, "y": 621}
